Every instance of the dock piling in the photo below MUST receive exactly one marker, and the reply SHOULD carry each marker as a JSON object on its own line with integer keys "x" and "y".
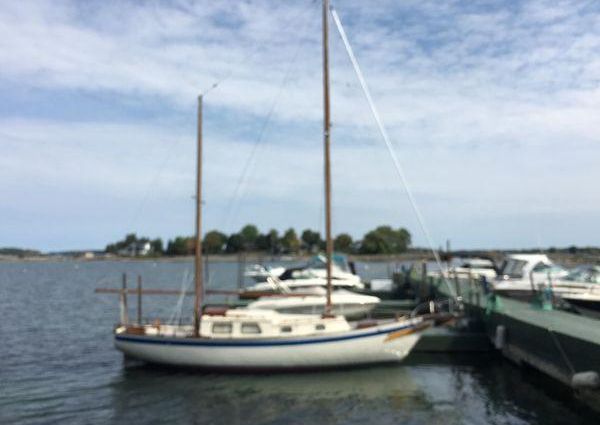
{"x": 123, "y": 301}
{"x": 139, "y": 300}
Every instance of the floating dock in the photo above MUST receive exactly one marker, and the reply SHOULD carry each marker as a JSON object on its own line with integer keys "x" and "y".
{"x": 445, "y": 339}
{"x": 562, "y": 345}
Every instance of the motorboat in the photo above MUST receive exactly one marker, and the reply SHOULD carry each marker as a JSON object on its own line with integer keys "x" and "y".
{"x": 309, "y": 277}
{"x": 314, "y": 268}
{"x": 582, "y": 276}
{"x": 260, "y": 273}
{"x": 306, "y": 283}
{"x": 522, "y": 275}
{"x": 581, "y": 289}
{"x": 345, "y": 303}
{"x": 476, "y": 267}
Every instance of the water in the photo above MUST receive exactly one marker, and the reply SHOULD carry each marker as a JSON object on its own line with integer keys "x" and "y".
{"x": 58, "y": 365}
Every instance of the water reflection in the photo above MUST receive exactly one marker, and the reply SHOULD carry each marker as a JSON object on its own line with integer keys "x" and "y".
{"x": 250, "y": 398}
{"x": 423, "y": 390}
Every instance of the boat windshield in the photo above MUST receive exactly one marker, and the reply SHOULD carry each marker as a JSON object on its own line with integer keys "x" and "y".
{"x": 514, "y": 268}
{"x": 584, "y": 274}
{"x": 320, "y": 262}
{"x": 547, "y": 268}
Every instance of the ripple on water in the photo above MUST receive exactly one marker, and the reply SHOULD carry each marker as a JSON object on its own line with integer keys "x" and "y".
{"x": 59, "y": 366}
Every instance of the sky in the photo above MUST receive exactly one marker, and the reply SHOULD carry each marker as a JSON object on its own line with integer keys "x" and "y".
{"x": 492, "y": 108}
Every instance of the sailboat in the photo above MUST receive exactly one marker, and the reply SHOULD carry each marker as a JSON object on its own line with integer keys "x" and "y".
{"x": 256, "y": 339}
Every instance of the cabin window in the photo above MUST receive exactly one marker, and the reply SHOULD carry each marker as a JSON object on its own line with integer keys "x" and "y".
{"x": 541, "y": 267}
{"x": 250, "y": 328}
{"x": 221, "y": 328}
{"x": 320, "y": 327}
{"x": 514, "y": 268}
{"x": 286, "y": 329}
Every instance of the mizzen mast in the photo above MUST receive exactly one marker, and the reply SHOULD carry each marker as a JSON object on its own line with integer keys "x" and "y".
{"x": 326, "y": 131}
{"x": 198, "y": 271}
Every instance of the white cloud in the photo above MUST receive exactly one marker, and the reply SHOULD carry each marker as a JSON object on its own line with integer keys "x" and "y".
{"x": 490, "y": 99}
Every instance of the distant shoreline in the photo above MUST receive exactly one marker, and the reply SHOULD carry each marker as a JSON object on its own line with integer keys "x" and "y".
{"x": 225, "y": 258}
{"x": 566, "y": 259}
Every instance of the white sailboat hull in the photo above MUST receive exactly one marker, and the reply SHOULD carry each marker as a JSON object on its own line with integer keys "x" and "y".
{"x": 391, "y": 342}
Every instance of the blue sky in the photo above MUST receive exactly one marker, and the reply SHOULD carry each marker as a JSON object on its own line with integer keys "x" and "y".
{"x": 492, "y": 107}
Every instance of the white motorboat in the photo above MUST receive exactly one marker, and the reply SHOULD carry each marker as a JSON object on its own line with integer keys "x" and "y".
{"x": 476, "y": 267}
{"x": 344, "y": 303}
{"x": 581, "y": 289}
{"x": 309, "y": 277}
{"x": 523, "y": 274}
{"x": 316, "y": 267}
{"x": 584, "y": 277}
{"x": 584, "y": 302}
{"x": 275, "y": 285}
{"x": 260, "y": 273}
{"x": 263, "y": 339}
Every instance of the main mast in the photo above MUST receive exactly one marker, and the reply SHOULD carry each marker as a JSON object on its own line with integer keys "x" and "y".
{"x": 326, "y": 128}
{"x": 198, "y": 272}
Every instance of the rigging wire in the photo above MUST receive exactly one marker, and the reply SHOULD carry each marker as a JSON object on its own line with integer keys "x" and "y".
{"x": 171, "y": 149}
{"x": 177, "y": 310}
{"x": 237, "y": 193}
{"x": 388, "y": 143}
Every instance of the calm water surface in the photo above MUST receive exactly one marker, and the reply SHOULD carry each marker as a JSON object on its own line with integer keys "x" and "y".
{"x": 58, "y": 365}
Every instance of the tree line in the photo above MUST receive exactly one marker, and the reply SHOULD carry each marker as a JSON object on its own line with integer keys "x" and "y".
{"x": 381, "y": 240}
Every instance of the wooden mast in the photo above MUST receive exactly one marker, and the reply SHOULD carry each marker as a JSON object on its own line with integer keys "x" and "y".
{"x": 326, "y": 128}
{"x": 198, "y": 272}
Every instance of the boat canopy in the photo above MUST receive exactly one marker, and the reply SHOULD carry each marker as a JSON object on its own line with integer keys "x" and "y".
{"x": 320, "y": 262}
{"x": 520, "y": 265}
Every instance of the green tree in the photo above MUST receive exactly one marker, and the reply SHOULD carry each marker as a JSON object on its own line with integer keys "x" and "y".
{"x": 385, "y": 240}
{"x": 179, "y": 246}
{"x": 289, "y": 241}
{"x": 343, "y": 243}
{"x": 263, "y": 243}
{"x": 311, "y": 240}
{"x": 128, "y": 240}
{"x": 249, "y": 235}
{"x": 274, "y": 244}
{"x": 268, "y": 242}
{"x": 214, "y": 242}
{"x": 157, "y": 246}
{"x": 235, "y": 243}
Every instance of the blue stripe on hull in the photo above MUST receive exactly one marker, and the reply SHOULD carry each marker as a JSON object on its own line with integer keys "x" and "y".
{"x": 252, "y": 343}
